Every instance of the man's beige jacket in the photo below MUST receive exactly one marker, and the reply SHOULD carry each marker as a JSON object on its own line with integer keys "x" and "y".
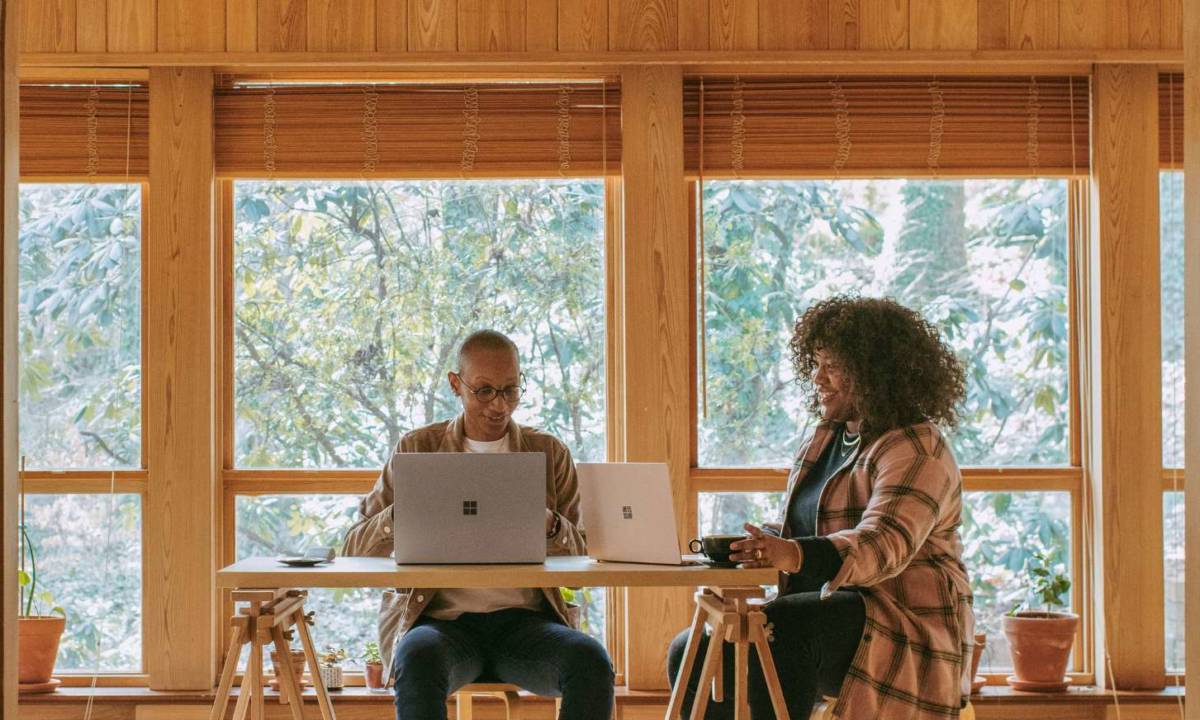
{"x": 372, "y": 534}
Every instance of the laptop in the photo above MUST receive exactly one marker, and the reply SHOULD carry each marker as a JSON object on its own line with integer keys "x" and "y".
{"x": 471, "y": 508}
{"x": 628, "y": 512}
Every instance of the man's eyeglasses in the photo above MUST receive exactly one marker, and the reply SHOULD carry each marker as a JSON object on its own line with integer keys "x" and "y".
{"x": 487, "y": 393}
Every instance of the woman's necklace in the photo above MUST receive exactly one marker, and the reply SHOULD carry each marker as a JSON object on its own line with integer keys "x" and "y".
{"x": 848, "y": 441}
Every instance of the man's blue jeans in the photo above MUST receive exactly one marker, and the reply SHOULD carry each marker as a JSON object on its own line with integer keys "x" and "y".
{"x": 524, "y": 647}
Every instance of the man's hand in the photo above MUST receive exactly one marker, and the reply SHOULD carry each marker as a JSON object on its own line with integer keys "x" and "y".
{"x": 762, "y": 550}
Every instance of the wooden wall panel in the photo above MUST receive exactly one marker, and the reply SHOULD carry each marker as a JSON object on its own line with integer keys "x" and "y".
{"x": 943, "y": 24}
{"x": 48, "y": 25}
{"x": 1145, "y": 18}
{"x": 1081, "y": 23}
{"x": 341, "y": 25}
{"x": 91, "y": 26}
{"x": 1171, "y": 19}
{"x": 694, "y": 24}
{"x": 1191, "y": 99}
{"x": 9, "y": 262}
{"x": 733, "y": 24}
{"x": 643, "y": 24}
{"x": 993, "y": 24}
{"x": 883, "y": 24}
{"x": 130, "y": 25}
{"x": 655, "y": 282}
{"x": 282, "y": 25}
{"x": 181, "y": 452}
{"x": 432, "y": 25}
{"x": 1033, "y": 25}
{"x": 1127, "y": 419}
{"x": 491, "y": 25}
{"x": 191, "y": 25}
{"x": 793, "y": 24}
{"x": 843, "y": 24}
{"x": 582, "y": 25}
{"x": 1116, "y": 24}
{"x": 241, "y": 26}
{"x": 541, "y": 25}
{"x": 391, "y": 25}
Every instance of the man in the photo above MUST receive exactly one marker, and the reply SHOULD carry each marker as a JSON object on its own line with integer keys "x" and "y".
{"x": 444, "y": 639}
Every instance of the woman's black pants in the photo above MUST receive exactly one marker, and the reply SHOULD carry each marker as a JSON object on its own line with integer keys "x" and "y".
{"x": 813, "y": 642}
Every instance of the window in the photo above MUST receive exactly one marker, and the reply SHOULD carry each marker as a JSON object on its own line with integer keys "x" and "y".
{"x": 1171, "y": 235}
{"x": 349, "y": 300}
{"x": 80, "y": 408}
{"x": 986, "y": 260}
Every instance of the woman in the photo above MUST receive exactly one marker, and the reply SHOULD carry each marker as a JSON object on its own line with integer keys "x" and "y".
{"x": 874, "y": 605}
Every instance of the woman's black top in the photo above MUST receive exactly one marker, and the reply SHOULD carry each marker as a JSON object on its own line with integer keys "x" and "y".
{"x": 821, "y": 558}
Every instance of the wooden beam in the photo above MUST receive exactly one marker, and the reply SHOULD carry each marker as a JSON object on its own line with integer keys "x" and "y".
{"x": 181, "y": 454}
{"x": 9, "y": 154}
{"x": 1191, "y": 185}
{"x": 1126, "y": 369}
{"x": 655, "y": 284}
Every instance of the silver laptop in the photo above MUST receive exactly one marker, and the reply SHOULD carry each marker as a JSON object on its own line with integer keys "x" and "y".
{"x": 469, "y": 507}
{"x": 628, "y": 513}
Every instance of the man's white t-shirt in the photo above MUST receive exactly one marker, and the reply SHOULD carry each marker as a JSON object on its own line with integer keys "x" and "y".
{"x": 449, "y": 604}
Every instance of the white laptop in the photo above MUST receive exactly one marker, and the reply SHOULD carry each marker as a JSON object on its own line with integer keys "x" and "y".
{"x": 628, "y": 513}
{"x": 469, "y": 508}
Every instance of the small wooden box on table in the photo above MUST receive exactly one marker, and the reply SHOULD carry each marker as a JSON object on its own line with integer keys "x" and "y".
{"x": 729, "y": 602}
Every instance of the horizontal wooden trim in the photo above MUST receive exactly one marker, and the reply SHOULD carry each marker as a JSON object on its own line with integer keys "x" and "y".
{"x": 83, "y": 74}
{"x": 943, "y": 61}
{"x": 83, "y": 177}
{"x": 1050, "y": 479}
{"x": 889, "y": 173}
{"x": 1173, "y": 479}
{"x": 298, "y": 482}
{"x": 84, "y": 482}
{"x": 133, "y": 680}
{"x": 433, "y": 173}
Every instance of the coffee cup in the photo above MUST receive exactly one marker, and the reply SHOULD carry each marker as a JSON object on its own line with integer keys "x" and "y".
{"x": 715, "y": 547}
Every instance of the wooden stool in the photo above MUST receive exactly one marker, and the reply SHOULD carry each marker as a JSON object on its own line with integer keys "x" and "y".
{"x": 504, "y": 691}
{"x": 267, "y": 615}
{"x": 733, "y": 615}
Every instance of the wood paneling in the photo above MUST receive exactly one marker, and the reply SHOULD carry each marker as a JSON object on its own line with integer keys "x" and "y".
{"x": 391, "y": 25}
{"x": 1116, "y": 23}
{"x": 241, "y": 23}
{"x": 191, "y": 25}
{"x": 48, "y": 25}
{"x": 91, "y": 25}
{"x": 943, "y": 24}
{"x": 793, "y": 24}
{"x": 883, "y": 24}
{"x": 1172, "y": 24}
{"x": 432, "y": 25}
{"x": 843, "y": 24}
{"x": 1033, "y": 24}
{"x": 694, "y": 24}
{"x": 181, "y": 452}
{"x": 1191, "y": 44}
{"x": 733, "y": 24}
{"x": 643, "y": 24}
{"x": 1126, "y": 373}
{"x": 1145, "y": 23}
{"x": 491, "y": 25}
{"x": 655, "y": 281}
{"x": 341, "y": 25}
{"x": 993, "y": 24}
{"x": 541, "y": 25}
{"x": 1081, "y": 23}
{"x": 130, "y": 25}
{"x": 282, "y": 25}
{"x": 582, "y": 25}
{"x": 9, "y": 263}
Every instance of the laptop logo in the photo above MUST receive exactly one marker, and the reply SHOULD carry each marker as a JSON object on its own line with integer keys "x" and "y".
{"x": 627, "y": 512}
{"x": 470, "y": 507}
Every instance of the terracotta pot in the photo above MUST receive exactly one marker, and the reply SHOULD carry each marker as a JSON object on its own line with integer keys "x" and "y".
{"x": 297, "y": 666}
{"x": 977, "y": 652}
{"x": 374, "y": 675}
{"x": 1041, "y": 643}
{"x": 37, "y": 647}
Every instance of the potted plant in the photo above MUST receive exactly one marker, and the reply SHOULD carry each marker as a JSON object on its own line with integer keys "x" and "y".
{"x": 977, "y": 680}
{"x": 40, "y": 626}
{"x": 1041, "y": 639}
{"x": 329, "y": 664}
{"x": 373, "y": 661}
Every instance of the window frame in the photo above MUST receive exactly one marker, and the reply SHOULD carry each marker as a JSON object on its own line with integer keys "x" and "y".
{"x": 1069, "y": 478}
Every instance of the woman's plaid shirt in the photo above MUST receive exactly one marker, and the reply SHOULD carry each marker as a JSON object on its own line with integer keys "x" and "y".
{"x": 894, "y": 518}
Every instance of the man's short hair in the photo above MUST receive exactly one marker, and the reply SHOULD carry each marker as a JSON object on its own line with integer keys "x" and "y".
{"x": 485, "y": 340}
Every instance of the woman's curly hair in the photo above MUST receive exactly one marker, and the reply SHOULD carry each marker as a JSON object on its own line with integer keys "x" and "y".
{"x": 901, "y": 371}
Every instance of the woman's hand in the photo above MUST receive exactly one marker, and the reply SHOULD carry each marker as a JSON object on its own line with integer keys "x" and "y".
{"x": 762, "y": 550}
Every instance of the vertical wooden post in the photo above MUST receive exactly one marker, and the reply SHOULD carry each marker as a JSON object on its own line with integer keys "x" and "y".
{"x": 8, "y": 375}
{"x": 1126, "y": 366}
{"x": 655, "y": 286}
{"x": 1191, "y": 185}
{"x": 180, "y": 397}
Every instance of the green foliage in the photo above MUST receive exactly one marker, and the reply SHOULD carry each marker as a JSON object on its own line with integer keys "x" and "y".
{"x": 370, "y": 655}
{"x": 331, "y": 655}
{"x": 27, "y": 584}
{"x": 1048, "y": 583}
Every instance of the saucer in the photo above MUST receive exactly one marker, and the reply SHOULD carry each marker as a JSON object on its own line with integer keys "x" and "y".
{"x": 978, "y": 683}
{"x": 714, "y": 564}
{"x": 301, "y": 561}
{"x": 43, "y": 687}
{"x": 1034, "y": 686}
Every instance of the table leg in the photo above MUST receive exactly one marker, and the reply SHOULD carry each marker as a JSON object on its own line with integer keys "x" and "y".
{"x": 758, "y": 635}
{"x": 711, "y": 660}
{"x": 255, "y": 677}
{"x": 227, "y": 671}
{"x": 675, "y": 706}
{"x": 289, "y": 687}
{"x": 741, "y": 665}
{"x": 310, "y": 653}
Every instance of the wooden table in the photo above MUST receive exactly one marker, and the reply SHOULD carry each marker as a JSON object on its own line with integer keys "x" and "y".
{"x": 729, "y": 602}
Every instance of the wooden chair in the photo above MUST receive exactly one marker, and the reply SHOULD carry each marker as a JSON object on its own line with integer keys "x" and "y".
{"x": 504, "y": 691}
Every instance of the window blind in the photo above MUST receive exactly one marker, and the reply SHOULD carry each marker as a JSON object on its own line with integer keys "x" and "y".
{"x": 81, "y": 132}
{"x": 1170, "y": 120}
